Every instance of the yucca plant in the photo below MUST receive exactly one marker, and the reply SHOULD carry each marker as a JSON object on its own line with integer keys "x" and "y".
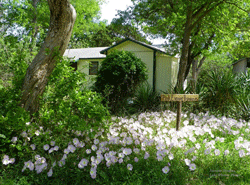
{"x": 221, "y": 90}
{"x": 145, "y": 98}
{"x": 243, "y": 107}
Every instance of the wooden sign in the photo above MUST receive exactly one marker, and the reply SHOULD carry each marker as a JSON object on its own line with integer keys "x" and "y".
{"x": 179, "y": 98}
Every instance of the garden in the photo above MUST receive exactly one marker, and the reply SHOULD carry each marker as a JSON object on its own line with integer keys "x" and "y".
{"x": 82, "y": 136}
{"x": 54, "y": 129}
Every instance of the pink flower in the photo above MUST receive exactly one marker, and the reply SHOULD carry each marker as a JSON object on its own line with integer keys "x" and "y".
{"x": 165, "y": 169}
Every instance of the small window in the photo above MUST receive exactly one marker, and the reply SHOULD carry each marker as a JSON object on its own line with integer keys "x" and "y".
{"x": 74, "y": 65}
{"x": 93, "y": 68}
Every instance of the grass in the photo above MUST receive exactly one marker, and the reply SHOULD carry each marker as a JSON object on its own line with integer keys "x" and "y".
{"x": 140, "y": 149}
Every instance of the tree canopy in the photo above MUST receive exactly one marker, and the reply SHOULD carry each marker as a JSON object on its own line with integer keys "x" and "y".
{"x": 192, "y": 28}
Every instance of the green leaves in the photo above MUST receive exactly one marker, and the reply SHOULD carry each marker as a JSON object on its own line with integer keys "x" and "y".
{"x": 121, "y": 72}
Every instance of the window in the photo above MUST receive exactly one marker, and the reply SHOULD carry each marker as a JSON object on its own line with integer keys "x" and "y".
{"x": 74, "y": 65}
{"x": 93, "y": 68}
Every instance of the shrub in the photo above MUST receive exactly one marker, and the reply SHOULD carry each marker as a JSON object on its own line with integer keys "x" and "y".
{"x": 221, "y": 90}
{"x": 67, "y": 104}
{"x": 145, "y": 99}
{"x": 120, "y": 73}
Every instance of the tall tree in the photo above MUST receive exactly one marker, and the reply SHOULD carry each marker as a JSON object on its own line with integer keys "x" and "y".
{"x": 190, "y": 26}
{"x": 116, "y": 31}
{"x": 62, "y": 19}
{"x": 31, "y": 17}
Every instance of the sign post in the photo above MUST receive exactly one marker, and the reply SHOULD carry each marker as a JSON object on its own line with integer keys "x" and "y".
{"x": 179, "y": 98}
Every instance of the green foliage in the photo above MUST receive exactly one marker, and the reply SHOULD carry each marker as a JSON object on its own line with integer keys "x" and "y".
{"x": 145, "y": 99}
{"x": 67, "y": 103}
{"x": 118, "y": 30}
{"x": 121, "y": 72}
{"x": 243, "y": 98}
{"x": 15, "y": 58}
{"x": 222, "y": 93}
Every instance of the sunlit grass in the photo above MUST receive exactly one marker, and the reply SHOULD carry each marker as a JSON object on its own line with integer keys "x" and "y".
{"x": 141, "y": 149}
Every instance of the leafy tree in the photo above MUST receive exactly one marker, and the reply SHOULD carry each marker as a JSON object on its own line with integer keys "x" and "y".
{"x": 192, "y": 27}
{"x": 62, "y": 20}
{"x": 118, "y": 30}
{"x": 31, "y": 18}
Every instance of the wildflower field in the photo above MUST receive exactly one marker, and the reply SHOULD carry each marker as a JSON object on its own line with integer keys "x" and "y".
{"x": 140, "y": 149}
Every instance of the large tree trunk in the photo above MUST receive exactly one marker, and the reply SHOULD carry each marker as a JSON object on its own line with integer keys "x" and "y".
{"x": 185, "y": 51}
{"x": 62, "y": 19}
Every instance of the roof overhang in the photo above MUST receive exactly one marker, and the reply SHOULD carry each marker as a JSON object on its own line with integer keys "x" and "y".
{"x": 137, "y": 42}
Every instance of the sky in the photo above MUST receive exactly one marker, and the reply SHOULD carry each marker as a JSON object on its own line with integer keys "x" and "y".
{"x": 109, "y": 10}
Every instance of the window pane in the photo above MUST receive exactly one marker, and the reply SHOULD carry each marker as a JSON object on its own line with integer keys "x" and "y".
{"x": 93, "y": 68}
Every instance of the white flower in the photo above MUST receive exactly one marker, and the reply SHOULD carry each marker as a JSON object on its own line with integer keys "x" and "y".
{"x": 56, "y": 148}
{"x": 198, "y": 146}
{"x": 33, "y": 147}
{"x": 146, "y": 155}
{"x": 130, "y": 167}
{"x": 88, "y": 151}
{"x": 37, "y": 157}
{"x": 40, "y": 168}
{"x": 92, "y": 171}
{"x": 217, "y": 152}
{"x": 28, "y": 123}
{"x": 46, "y": 147}
{"x": 127, "y": 151}
{"x": 185, "y": 122}
{"x": 96, "y": 141}
{"x": 50, "y": 172}
{"x": 29, "y": 165}
{"x": 187, "y": 161}
{"x": 194, "y": 158}
{"x": 136, "y": 159}
{"x": 165, "y": 169}
{"x": 37, "y": 133}
{"x": 192, "y": 167}
{"x": 81, "y": 144}
{"x": 137, "y": 142}
{"x": 207, "y": 151}
{"x": 24, "y": 134}
{"x": 136, "y": 150}
{"x": 84, "y": 162}
{"x": 159, "y": 158}
{"x": 71, "y": 148}
{"x": 226, "y": 152}
{"x": 52, "y": 143}
{"x": 121, "y": 155}
{"x": 76, "y": 142}
{"x": 94, "y": 147}
{"x": 93, "y": 176}
{"x": 61, "y": 163}
{"x": 171, "y": 156}
{"x": 120, "y": 160}
{"x": 66, "y": 151}
{"x": 5, "y": 160}
{"x": 14, "y": 139}
{"x": 54, "y": 164}
{"x": 11, "y": 161}
{"x": 242, "y": 153}
{"x": 51, "y": 150}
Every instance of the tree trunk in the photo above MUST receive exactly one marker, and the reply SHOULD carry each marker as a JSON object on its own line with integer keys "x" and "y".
{"x": 185, "y": 51}
{"x": 196, "y": 71}
{"x": 62, "y": 19}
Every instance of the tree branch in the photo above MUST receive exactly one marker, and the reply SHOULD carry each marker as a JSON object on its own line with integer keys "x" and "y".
{"x": 199, "y": 11}
{"x": 234, "y": 4}
{"x": 205, "y": 13}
